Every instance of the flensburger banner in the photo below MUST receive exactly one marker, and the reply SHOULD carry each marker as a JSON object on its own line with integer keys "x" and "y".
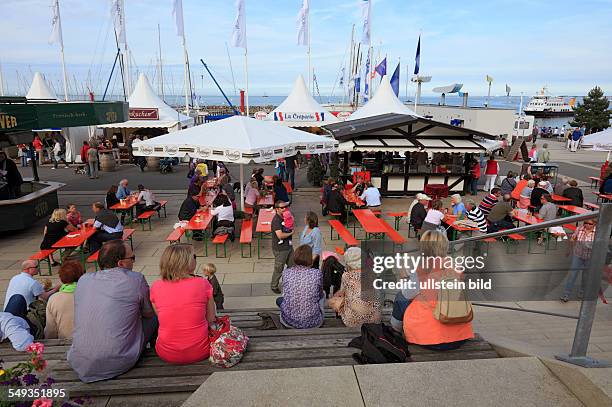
{"x": 299, "y": 116}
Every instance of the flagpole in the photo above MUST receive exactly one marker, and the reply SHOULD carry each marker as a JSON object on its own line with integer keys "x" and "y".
{"x": 308, "y": 50}
{"x": 187, "y": 87}
{"x": 1, "y": 81}
{"x": 246, "y": 75}
{"x": 61, "y": 37}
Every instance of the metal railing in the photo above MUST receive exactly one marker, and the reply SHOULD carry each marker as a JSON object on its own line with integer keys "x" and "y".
{"x": 597, "y": 263}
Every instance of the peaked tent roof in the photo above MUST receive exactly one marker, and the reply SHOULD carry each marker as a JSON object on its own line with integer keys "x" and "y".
{"x": 237, "y": 139}
{"x": 600, "y": 141}
{"x": 144, "y": 97}
{"x": 384, "y": 101}
{"x": 39, "y": 90}
{"x": 301, "y": 110}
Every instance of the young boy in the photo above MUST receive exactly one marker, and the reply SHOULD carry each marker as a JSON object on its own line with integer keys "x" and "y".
{"x": 288, "y": 223}
{"x": 209, "y": 271}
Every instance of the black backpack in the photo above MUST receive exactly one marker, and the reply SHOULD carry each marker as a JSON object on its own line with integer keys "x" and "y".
{"x": 332, "y": 271}
{"x": 379, "y": 343}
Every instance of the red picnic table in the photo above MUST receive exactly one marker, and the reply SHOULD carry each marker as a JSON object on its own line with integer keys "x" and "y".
{"x": 74, "y": 240}
{"x": 451, "y": 220}
{"x": 559, "y": 198}
{"x": 352, "y": 198}
{"x": 263, "y": 227}
{"x": 369, "y": 222}
{"x": 573, "y": 209}
{"x": 200, "y": 222}
{"x": 126, "y": 205}
{"x": 267, "y": 200}
{"x": 208, "y": 199}
{"x": 528, "y": 218}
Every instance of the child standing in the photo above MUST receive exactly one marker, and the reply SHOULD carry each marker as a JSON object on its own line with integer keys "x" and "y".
{"x": 73, "y": 216}
{"x": 209, "y": 271}
{"x": 287, "y": 224}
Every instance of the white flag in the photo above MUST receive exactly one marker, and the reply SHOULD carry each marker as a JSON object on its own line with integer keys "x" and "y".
{"x": 365, "y": 14}
{"x": 239, "y": 34}
{"x": 118, "y": 16}
{"x": 56, "y": 25}
{"x": 177, "y": 12}
{"x": 302, "y": 21}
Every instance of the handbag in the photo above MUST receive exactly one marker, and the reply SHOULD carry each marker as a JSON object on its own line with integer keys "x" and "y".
{"x": 227, "y": 343}
{"x": 452, "y": 305}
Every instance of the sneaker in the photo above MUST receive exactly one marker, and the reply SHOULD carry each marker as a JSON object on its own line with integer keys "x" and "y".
{"x": 53, "y": 168}
{"x": 275, "y": 290}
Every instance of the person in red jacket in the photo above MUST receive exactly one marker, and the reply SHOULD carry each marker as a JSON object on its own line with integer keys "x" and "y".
{"x": 84, "y": 151}
{"x": 491, "y": 172}
{"x": 38, "y": 147}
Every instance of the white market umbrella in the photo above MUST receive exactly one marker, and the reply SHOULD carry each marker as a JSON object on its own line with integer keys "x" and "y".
{"x": 600, "y": 141}
{"x": 237, "y": 139}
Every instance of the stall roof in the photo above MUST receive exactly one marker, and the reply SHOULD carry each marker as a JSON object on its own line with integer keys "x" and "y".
{"x": 40, "y": 90}
{"x": 300, "y": 109}
{"x": 398, "y": 133}
{"x": 155, "y": 113}
{"x": 384, "y": 101}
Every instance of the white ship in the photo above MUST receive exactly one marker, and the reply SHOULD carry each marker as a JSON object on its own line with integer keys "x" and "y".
{"x": 544, "y": 105}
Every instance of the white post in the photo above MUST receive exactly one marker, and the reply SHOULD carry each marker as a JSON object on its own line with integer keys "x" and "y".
{"x": 417, "y": 97}
{"x": 246, "y": 76}
{"x": 242, "y": 187}
{"x": 187, "y": 87}
{"x": 489, "y": 94}
{"x": 308, "y": 52}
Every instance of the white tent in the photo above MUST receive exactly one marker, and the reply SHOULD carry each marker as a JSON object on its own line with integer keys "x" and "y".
{"x": 40, "y": 90}
{"x": 384, "y": 101}
{"x": 301, "y": 110}
{"x": 147, "y": 110}
{"x": 237, "y": 139}
{"x": 600, "y": 141}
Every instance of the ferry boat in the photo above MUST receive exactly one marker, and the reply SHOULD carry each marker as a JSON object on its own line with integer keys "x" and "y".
{"x": 544, "y": 105}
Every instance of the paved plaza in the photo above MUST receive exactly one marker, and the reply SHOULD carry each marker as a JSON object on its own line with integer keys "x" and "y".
{"x": 246, "y": 281}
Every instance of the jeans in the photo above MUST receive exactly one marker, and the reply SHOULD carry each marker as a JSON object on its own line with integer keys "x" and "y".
{"x": 291, "y": 176}
{"x": 92, "y": 169}
{"x": 149, "y": 329}
{"x": 24, "y": 160}
{"x": 400, "y": 304}
{"x": 577, "y": 266}
{"x": 500, "y": 224}
{"x": 99, "y": 237}
{"x": 474, "y": 186}
{"x": 281, "y": 257}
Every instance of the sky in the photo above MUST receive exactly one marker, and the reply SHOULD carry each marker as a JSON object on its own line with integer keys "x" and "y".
{"x": 562, "y": 44}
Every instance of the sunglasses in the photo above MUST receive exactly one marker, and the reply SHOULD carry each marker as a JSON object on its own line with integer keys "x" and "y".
{"x": 133, "y": 258}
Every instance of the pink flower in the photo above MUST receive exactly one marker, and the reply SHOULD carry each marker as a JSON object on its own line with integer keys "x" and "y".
{"x": 36, "y": 347}
{"x": 42, "y": 402}
{"x": 39, "y": 364}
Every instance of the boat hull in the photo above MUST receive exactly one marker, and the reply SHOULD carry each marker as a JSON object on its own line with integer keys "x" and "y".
{"x": 539, "y": 113}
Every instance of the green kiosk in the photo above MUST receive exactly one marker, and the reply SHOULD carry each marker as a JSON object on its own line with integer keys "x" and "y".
{"x": 18, "y": 117}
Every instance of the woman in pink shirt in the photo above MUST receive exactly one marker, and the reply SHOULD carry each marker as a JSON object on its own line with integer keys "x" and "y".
{"x": 184, "y": 307}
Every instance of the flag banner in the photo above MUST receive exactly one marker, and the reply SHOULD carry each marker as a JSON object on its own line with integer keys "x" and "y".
{"x": 365, "y": 15}
{"x": 381, "y": 68}
{"x": 508, "y": 89}
{"x": 417, "y": 58}
{"x": 118, "y": 16}
{"x": 341, "y": 82}
{"x": 302, "y": 21}
{"x": 177, "y": 12}
{"x": 489, "y": 79}
{"x": 358, "y": 84}
{"x": 366, "y": 87}
{"x": 395, "y": 80}
{"x": 56, "y": 29}
{"x": 239, "y": 35}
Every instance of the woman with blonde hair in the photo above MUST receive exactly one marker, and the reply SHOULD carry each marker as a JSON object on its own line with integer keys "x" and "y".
{"x": 348, "y": 302}
{"x": 419, "y": 324}
{"x": 56, "y": 228}
{"x": 184, "y": 306}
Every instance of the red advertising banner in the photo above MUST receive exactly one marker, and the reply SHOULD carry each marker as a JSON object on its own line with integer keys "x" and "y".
{"x": 144, "y": 113}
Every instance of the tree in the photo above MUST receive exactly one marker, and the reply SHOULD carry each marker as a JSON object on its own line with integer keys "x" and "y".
{"x": 315, "y": 172}
{"x": 593, "y": 112}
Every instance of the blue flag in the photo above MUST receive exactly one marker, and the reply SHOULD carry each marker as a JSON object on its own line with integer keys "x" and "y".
{"x": 381, "y": 68}
{"x": 358, "y": 84}
{"x": 417, "y": 59}
{"x": 395, "y": 80}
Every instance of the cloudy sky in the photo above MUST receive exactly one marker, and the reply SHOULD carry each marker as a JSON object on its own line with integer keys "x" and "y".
{"x": 563, "y": 44}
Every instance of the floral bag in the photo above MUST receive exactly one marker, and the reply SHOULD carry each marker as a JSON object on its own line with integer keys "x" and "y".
{"x": 227, "y": 343}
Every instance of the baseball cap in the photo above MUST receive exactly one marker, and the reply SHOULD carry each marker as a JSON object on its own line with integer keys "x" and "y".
{"x": 421, "y": 197}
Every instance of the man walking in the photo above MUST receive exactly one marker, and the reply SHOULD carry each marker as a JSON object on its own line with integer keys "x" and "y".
{"x": 92, "y": 162}
{"x": 575, "y": 140}
{"x": 283, "y": 252}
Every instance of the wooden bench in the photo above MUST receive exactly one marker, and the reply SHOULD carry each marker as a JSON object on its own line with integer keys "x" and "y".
{"x": 220, "y": 240}
{"x": 246, "y": 236}
{"x": 94, "y": 259}
{"x": 162, "y": 205}
{"x": 343, "y": 233}
{"x": 175, "y": 235}
{"x": 513, "y": 240}
{"x": 569, "y": 226}
{"x": 393, "y": 234}
{"x": 267, "y": 349}
{"x": 43, "y": 255}
{"x": 591, "y": 206}
{"x": 397, "y": 217}
{"x": 127, "y": 235}
{"x": 146, "y": 216}
{"x": 595, "y": 181}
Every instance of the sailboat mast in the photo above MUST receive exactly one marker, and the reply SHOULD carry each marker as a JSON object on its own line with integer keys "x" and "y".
{"x": 187, "y": 81}
{"x": 231, "y": 69}
{"x": 161, "y": 69}
{"x": 61, "y": 43}
{"x": 350, "y": 70}
{"x": 1, "y": 81}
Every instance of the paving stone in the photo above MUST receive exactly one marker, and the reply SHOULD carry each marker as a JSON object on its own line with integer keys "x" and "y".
{"x": 248, "y": 303}
{"x": 244, "y": 278}
{"x": 262, "y": 289}
{"x": 308, "y": 387}
{"x": 236, "y": 290}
